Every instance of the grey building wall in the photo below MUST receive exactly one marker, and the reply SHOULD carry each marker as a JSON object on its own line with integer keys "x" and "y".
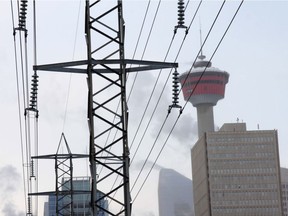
{"x": 242, "y": 170}
{"x": 200, "y": 177}
{"x": 284, "y": 183}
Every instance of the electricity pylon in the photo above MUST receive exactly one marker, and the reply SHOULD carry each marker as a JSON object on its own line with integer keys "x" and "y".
{"x": 106, "y": 70}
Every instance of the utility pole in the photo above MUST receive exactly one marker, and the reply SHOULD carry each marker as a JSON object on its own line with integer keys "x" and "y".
{"x": 106, "y": 70}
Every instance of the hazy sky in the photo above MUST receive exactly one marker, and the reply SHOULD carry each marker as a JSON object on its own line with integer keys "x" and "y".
{"x": 254, "y": 53}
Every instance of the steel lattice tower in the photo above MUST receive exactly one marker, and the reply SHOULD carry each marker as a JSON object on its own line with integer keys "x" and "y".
{"x": 106, "y": 72}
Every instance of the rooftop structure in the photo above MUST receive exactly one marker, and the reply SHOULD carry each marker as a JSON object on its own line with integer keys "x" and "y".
{"x": 204, "y": 86}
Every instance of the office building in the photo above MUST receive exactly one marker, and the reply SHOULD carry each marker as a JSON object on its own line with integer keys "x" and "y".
{"x": 81, "y": 199}
{"x": 237, "y": 172}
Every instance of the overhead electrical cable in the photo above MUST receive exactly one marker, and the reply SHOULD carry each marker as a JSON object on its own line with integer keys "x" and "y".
{"x": 156, "y": 105}
{"x": 36, "y": 126}
{"x": 189, "y": 71}
{"x": 151, "y": 149}
{"x": 30, "y": 109}
{"x": 143, "y": 183}
{"x": 70, "y": 76}
{"x": 147, "y": 126}
{"x": 223, "y": 36}
{"x": 141, "y": 29}
{"x": 147, "y": 41}
{"x": 155, "y": 15}
{"x": 187, "y": 101}
{"x": 136, "y": 47}
{"x": 143, "y": 165}
{"x": 19, "y": 106}
{"x": 24, "y": 78}
{"x": 219, "y": 11}
{"x": 143, "y": 53}
{"x": 148, "y": 103}
{"x": 151, "y": 94}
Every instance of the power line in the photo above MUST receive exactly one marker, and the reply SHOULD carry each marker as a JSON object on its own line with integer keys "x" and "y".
{"x": 136, "y": 47}
{"x": 156, "y": 106}
{"x": 19, "y": 106}
{"x": 147, "y": 41}
{"x": 36, "y": 119}
{"x": 29, "y": 179}
{"x": 151, "y": 149}
{"x": 188, "y": 100}
{"x": 148, "y": 105}
{"x": 70, "y": 77}
{"x": 212, "y": 26}
{"x": 143, "y": 53}
{"x": 156, "y": 157}
{"x": 162, "y": 89}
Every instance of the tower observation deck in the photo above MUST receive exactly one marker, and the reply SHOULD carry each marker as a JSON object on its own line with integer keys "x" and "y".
{"x": 209, "y": 90}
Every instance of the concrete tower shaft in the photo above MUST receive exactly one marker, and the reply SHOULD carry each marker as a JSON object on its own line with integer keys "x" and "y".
{"x": 204, "y": 91}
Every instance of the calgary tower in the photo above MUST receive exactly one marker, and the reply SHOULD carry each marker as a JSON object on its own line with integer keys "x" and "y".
{"x": 204, "y": 86}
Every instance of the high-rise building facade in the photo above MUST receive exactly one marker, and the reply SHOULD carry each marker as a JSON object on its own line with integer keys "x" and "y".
{"x": 81, "y": 199}
{"x": 237, "y": 172}
{"x": 284, "y": 183}
{"x": 175, "y": 195}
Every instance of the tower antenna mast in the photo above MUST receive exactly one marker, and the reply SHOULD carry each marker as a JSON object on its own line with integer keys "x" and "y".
{"x": 201, "y": 57}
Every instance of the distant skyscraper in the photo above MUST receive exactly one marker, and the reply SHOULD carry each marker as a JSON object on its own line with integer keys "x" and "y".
{"x": 204, "y": 90}
{"x": 81, "y": 201}
{"x": 237, "y": 172}
{"x": 175, "y": 195}
{"x": 284, "y": 183}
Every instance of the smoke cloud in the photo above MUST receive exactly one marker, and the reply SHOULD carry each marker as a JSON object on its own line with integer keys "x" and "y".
{"x": 186, "y": 130}
{"x": 10, "y": 209}
{"x": 10, "y": 180}
{"x": 138, "y": 165}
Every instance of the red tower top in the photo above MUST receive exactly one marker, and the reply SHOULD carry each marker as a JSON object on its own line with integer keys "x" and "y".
{"x": 210, "y": 87}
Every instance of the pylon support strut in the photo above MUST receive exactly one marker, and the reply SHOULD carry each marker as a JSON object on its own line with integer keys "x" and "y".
{"x": 70, "y": 67}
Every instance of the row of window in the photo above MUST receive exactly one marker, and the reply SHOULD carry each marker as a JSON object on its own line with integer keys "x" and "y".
{"x": 241, "y": 179}
{"x": 261, "y": 164}
{"x": 245, "y": 155}
{"x": 242, "y": 147}
{"x": 244, "y": 186}
{"x": 252, "y": 196}
{"x": 193, "y": 83}
{"x": 242, "y": 171}
{"x": 239, "y": 139}
{"x": 246, "y": 203}
{"x": 259, "y": 211}
{"x": 252, "y": 163}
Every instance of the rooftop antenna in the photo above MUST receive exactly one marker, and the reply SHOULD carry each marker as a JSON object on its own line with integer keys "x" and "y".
{"x": 201, "y": 57}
